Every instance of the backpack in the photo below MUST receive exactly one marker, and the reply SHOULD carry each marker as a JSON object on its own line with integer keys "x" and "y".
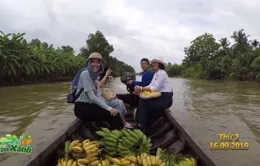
{"x": 73, "y": 96}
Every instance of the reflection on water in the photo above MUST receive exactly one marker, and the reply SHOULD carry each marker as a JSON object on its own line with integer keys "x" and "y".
{"x": 204, "y": 108}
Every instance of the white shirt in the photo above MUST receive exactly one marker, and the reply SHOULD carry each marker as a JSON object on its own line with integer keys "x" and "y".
{"x": 160, "y": 82}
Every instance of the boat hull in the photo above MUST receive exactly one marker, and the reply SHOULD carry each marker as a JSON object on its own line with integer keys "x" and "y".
{"x": 166, "y": 133}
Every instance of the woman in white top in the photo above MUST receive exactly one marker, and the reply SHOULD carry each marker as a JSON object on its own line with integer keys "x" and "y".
{"x": 149, "y": 110}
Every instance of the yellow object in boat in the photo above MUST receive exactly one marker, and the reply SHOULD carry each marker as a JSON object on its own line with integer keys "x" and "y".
{"x": 149, "y": 94}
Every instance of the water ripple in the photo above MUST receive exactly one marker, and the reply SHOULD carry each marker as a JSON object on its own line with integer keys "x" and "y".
{"x": 203, "y": 108}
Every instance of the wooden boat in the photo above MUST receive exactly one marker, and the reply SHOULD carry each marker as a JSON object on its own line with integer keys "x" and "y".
{"x": 166, "y": 132}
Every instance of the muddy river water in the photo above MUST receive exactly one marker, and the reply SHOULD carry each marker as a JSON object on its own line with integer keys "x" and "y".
{"x": 204, "y": 108}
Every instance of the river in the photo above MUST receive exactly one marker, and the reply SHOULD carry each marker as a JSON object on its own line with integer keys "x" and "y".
{"x": 204, "y": 109}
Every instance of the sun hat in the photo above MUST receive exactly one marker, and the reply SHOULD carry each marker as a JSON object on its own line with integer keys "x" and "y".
{"x": 159, "y": 60}
{"x": 96, "y": 55}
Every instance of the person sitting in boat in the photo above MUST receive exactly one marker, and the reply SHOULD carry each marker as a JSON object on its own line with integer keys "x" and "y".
{"x": 88, "y": 106}
{"x": 149, "y": 110}
{"x": 147, "y": 76}
{"x": 110, "y": 98}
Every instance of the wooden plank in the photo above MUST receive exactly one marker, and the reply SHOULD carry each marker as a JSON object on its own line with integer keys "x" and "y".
{"x": 192, "y": 144}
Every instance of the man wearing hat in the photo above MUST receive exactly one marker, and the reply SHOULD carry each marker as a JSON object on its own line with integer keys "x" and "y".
{"x": 149, "y": 110}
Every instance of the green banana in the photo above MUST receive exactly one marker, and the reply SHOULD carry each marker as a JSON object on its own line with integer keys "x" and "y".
{"x": 111, "y": 149}
{"x": 121, "y": 147}
{"x": 128, "y": 143}
{"x": 101, "y": 133}
{"x": 125, "y": 153}
{"x": 117, "y": 133}
{"x": 101, "y": 143}
{"x": 144, "y": 139}
{"x": 132, "y": 139}
{"x": 112, "y": 144}
{"x": 125, "y": 133}
{"x": 109, "y": 158}
{"x": 148, "y": 145}
{"x": 110, "y": 139}
{"x": 139, "y": 133}
{"x": 133, "y": 134}
{"x": 111, "y": 153}
{"x": 112, "y": 135}
{"x": 108, "y": 150}
{"x": 105, "y": 130}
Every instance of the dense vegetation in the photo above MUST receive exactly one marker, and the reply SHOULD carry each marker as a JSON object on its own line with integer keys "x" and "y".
{"x": 36, "y": 61}
{"x": 208, "y": 58}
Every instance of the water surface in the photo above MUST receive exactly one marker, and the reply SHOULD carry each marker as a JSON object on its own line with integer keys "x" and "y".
{"x": 204, "y": 108}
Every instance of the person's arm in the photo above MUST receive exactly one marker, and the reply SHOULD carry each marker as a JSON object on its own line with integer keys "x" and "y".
{"x": 103, "y": 82}
{"x": 148, "y": 78}
{"x": 134, "y": 83}
{"x": 157, "y": 84}
{"x": 88, "y": 89}
{"x": 97, "y": 100}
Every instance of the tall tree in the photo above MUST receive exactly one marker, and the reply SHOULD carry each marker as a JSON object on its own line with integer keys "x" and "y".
{"x": 98, "y": 43}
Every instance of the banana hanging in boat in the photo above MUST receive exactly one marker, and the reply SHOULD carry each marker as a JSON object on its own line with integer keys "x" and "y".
{"x": 73, "y": 143}
{"x": 69, "y": 163}
{"x": 76, "y": 149}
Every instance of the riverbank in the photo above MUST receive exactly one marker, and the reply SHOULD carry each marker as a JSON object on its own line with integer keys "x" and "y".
{"x": 223, "y": 80}
{"x": 63, "y": 79}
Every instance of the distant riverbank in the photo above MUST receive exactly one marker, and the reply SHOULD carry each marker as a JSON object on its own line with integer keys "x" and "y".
{"x": 63, "y": 79}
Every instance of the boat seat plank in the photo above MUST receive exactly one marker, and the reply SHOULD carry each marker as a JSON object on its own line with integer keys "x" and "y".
{"x": 163, "y": 129}
{"x": 164, "y": 141}
{"x": 157, "y": 124}
{"x": 176, "y": 147}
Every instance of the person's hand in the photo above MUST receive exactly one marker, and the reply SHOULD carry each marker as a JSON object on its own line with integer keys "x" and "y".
{"x": 129, "y": 82}
{"x": 138, "y": 89}
{"x": 135, "y": 93}
{"x": 108, "y": 72}
{"x": 113, "y": 112}
{"x": 110, "y": 77}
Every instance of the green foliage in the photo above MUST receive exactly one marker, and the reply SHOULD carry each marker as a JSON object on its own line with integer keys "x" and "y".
{"x": 173, "y": 70}
{"x": 98, "y": 43}
{"x": 211, "y": 59}
{"x": 258, "y": 77}
{"x": 22, "y": 62}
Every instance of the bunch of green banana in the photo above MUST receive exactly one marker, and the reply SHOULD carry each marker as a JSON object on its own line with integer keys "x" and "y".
{"x": 66, "y": 162}
{"x": 109, "y": 141}
{"x": 145, "y": 159}
{"x": 124, "y": 143}
{"x": 133, "y": 142}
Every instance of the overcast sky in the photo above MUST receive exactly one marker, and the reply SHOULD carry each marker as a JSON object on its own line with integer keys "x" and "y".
{"x": 136, "y": 28}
